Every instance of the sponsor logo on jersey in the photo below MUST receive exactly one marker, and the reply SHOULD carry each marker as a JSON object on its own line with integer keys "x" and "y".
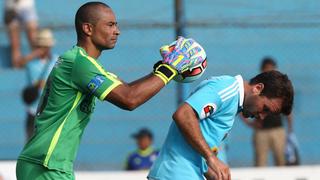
{"x": 95, "y": 83}
{"x": 208, "y": 109}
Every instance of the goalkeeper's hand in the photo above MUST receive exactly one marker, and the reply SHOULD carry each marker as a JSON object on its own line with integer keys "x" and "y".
{"x": 177, "y": 58}
{"x": 182, "y": 54}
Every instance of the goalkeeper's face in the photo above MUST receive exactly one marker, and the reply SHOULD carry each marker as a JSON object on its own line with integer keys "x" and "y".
{"x": 105, "y": 31}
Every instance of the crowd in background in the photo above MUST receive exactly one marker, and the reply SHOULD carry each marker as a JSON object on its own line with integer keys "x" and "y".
{"x": 19, "y": 16}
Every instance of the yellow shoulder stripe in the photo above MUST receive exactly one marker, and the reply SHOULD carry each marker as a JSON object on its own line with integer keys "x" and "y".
{"x": 101, "y": 70}
{"x": 110, "y": 76}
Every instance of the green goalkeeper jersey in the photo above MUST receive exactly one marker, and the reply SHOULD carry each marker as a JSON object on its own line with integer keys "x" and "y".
{"x": 65, "y": 108}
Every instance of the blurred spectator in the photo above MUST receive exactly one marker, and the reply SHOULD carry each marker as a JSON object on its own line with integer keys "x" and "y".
{"x": 292, "y": 153}
{"x": 38, "y": 66}
{"x": 145, "y": 155}
{"x": 269, "y": 133}
{"x": 19, "y": 14}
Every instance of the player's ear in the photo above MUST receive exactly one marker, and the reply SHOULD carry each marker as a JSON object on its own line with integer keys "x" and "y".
{"x": 258, "y": 88}
{"x": 87, "y": 29}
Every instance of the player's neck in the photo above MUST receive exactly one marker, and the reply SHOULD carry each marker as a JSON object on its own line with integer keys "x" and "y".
{"x": 90, "y": 49}
{"x": 246, "y": 87}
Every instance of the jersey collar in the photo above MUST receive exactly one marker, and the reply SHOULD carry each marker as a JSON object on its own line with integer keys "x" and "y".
{"x": 81, "y": 49}
{"x": 145, "y": 152}
{"x": 241, "y": 90}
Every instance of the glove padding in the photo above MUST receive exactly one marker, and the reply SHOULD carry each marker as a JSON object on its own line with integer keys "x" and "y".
{"x": 182, "y": 54}
{"x": 178, "y": 57}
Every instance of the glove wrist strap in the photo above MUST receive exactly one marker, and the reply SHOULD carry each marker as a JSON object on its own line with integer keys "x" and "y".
{"x": 165, "y": 72}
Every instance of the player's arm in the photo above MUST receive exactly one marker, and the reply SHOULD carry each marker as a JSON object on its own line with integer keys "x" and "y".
{"x": 33, "y": 55}
{"x": 131, "y": 95}
{"x": 187, "y": 121}
{"x": 176, "y": 60}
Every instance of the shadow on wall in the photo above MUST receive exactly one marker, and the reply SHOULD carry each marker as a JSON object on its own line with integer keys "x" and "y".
{"x": 5, "y": 59}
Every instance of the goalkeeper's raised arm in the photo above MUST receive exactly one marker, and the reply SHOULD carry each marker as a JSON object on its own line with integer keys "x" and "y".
{"x": 130, "y": 95}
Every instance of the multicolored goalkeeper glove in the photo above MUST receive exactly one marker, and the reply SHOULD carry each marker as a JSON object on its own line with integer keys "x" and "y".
{"x": 182, "y": 54}
{"x": 178, "y": 57}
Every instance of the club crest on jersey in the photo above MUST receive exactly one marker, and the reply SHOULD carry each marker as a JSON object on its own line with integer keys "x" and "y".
{"x": 95, "y": 83}
{"x": 208, "y": 109}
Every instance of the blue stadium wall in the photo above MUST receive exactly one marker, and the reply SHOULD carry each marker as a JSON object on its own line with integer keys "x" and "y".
{"x": 236, "y": 36}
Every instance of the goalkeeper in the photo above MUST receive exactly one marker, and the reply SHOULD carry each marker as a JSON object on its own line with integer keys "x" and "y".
{"x": 75, "y": 82}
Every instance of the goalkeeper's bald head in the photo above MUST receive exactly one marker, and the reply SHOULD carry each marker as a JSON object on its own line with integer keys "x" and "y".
{"x": 88, "y": 13}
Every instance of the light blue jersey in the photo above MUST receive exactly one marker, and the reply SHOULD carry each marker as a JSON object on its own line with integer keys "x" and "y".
{"x": 38, "y": 70}
{"x": 217, "y": 101}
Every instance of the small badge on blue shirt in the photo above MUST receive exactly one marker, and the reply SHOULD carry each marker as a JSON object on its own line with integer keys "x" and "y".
{"x": 95, "y": 83}
{"x": 207, "y": 110}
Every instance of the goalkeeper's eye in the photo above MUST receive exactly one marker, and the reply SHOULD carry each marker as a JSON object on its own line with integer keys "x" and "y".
{"x": 111, "y": 24}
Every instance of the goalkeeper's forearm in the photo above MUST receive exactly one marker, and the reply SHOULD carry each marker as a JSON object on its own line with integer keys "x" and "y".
{"x": 130, "y": 96}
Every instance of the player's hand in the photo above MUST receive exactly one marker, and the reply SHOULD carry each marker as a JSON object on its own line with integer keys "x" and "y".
{"x": 182, "y": 54}
{"x": 217, "y": 170}
{"x": 210, "y": 175}
{"x": 178, "y": 57}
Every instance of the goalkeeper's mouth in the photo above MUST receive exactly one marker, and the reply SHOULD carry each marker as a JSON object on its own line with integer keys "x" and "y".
{"x": 114, "y": 40}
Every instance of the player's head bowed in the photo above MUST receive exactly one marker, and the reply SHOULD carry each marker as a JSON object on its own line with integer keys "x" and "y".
{"x": 276, "y": 85}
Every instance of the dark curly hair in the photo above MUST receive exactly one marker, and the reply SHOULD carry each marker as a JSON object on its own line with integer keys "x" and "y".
{"x": 276, "y": 85}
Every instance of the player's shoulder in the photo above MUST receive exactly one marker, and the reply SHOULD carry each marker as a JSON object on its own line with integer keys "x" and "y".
{"x": 75, "y": 54}
{"x": 223, "y": 78}
{"x": 224, "y": 85}
{"x": 219, "y": 82}
{"x": 79, "y": 59}
{"x": 70, "y": 54}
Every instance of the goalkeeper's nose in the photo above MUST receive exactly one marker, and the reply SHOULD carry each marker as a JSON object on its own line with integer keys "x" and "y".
{"x": 117, "y": 31}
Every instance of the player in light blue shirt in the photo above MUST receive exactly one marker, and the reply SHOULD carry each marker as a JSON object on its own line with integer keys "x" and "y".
{"x": 38, "y": 70}
{"x": 38, "y": 64}
{"x": 205, "y": 119}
